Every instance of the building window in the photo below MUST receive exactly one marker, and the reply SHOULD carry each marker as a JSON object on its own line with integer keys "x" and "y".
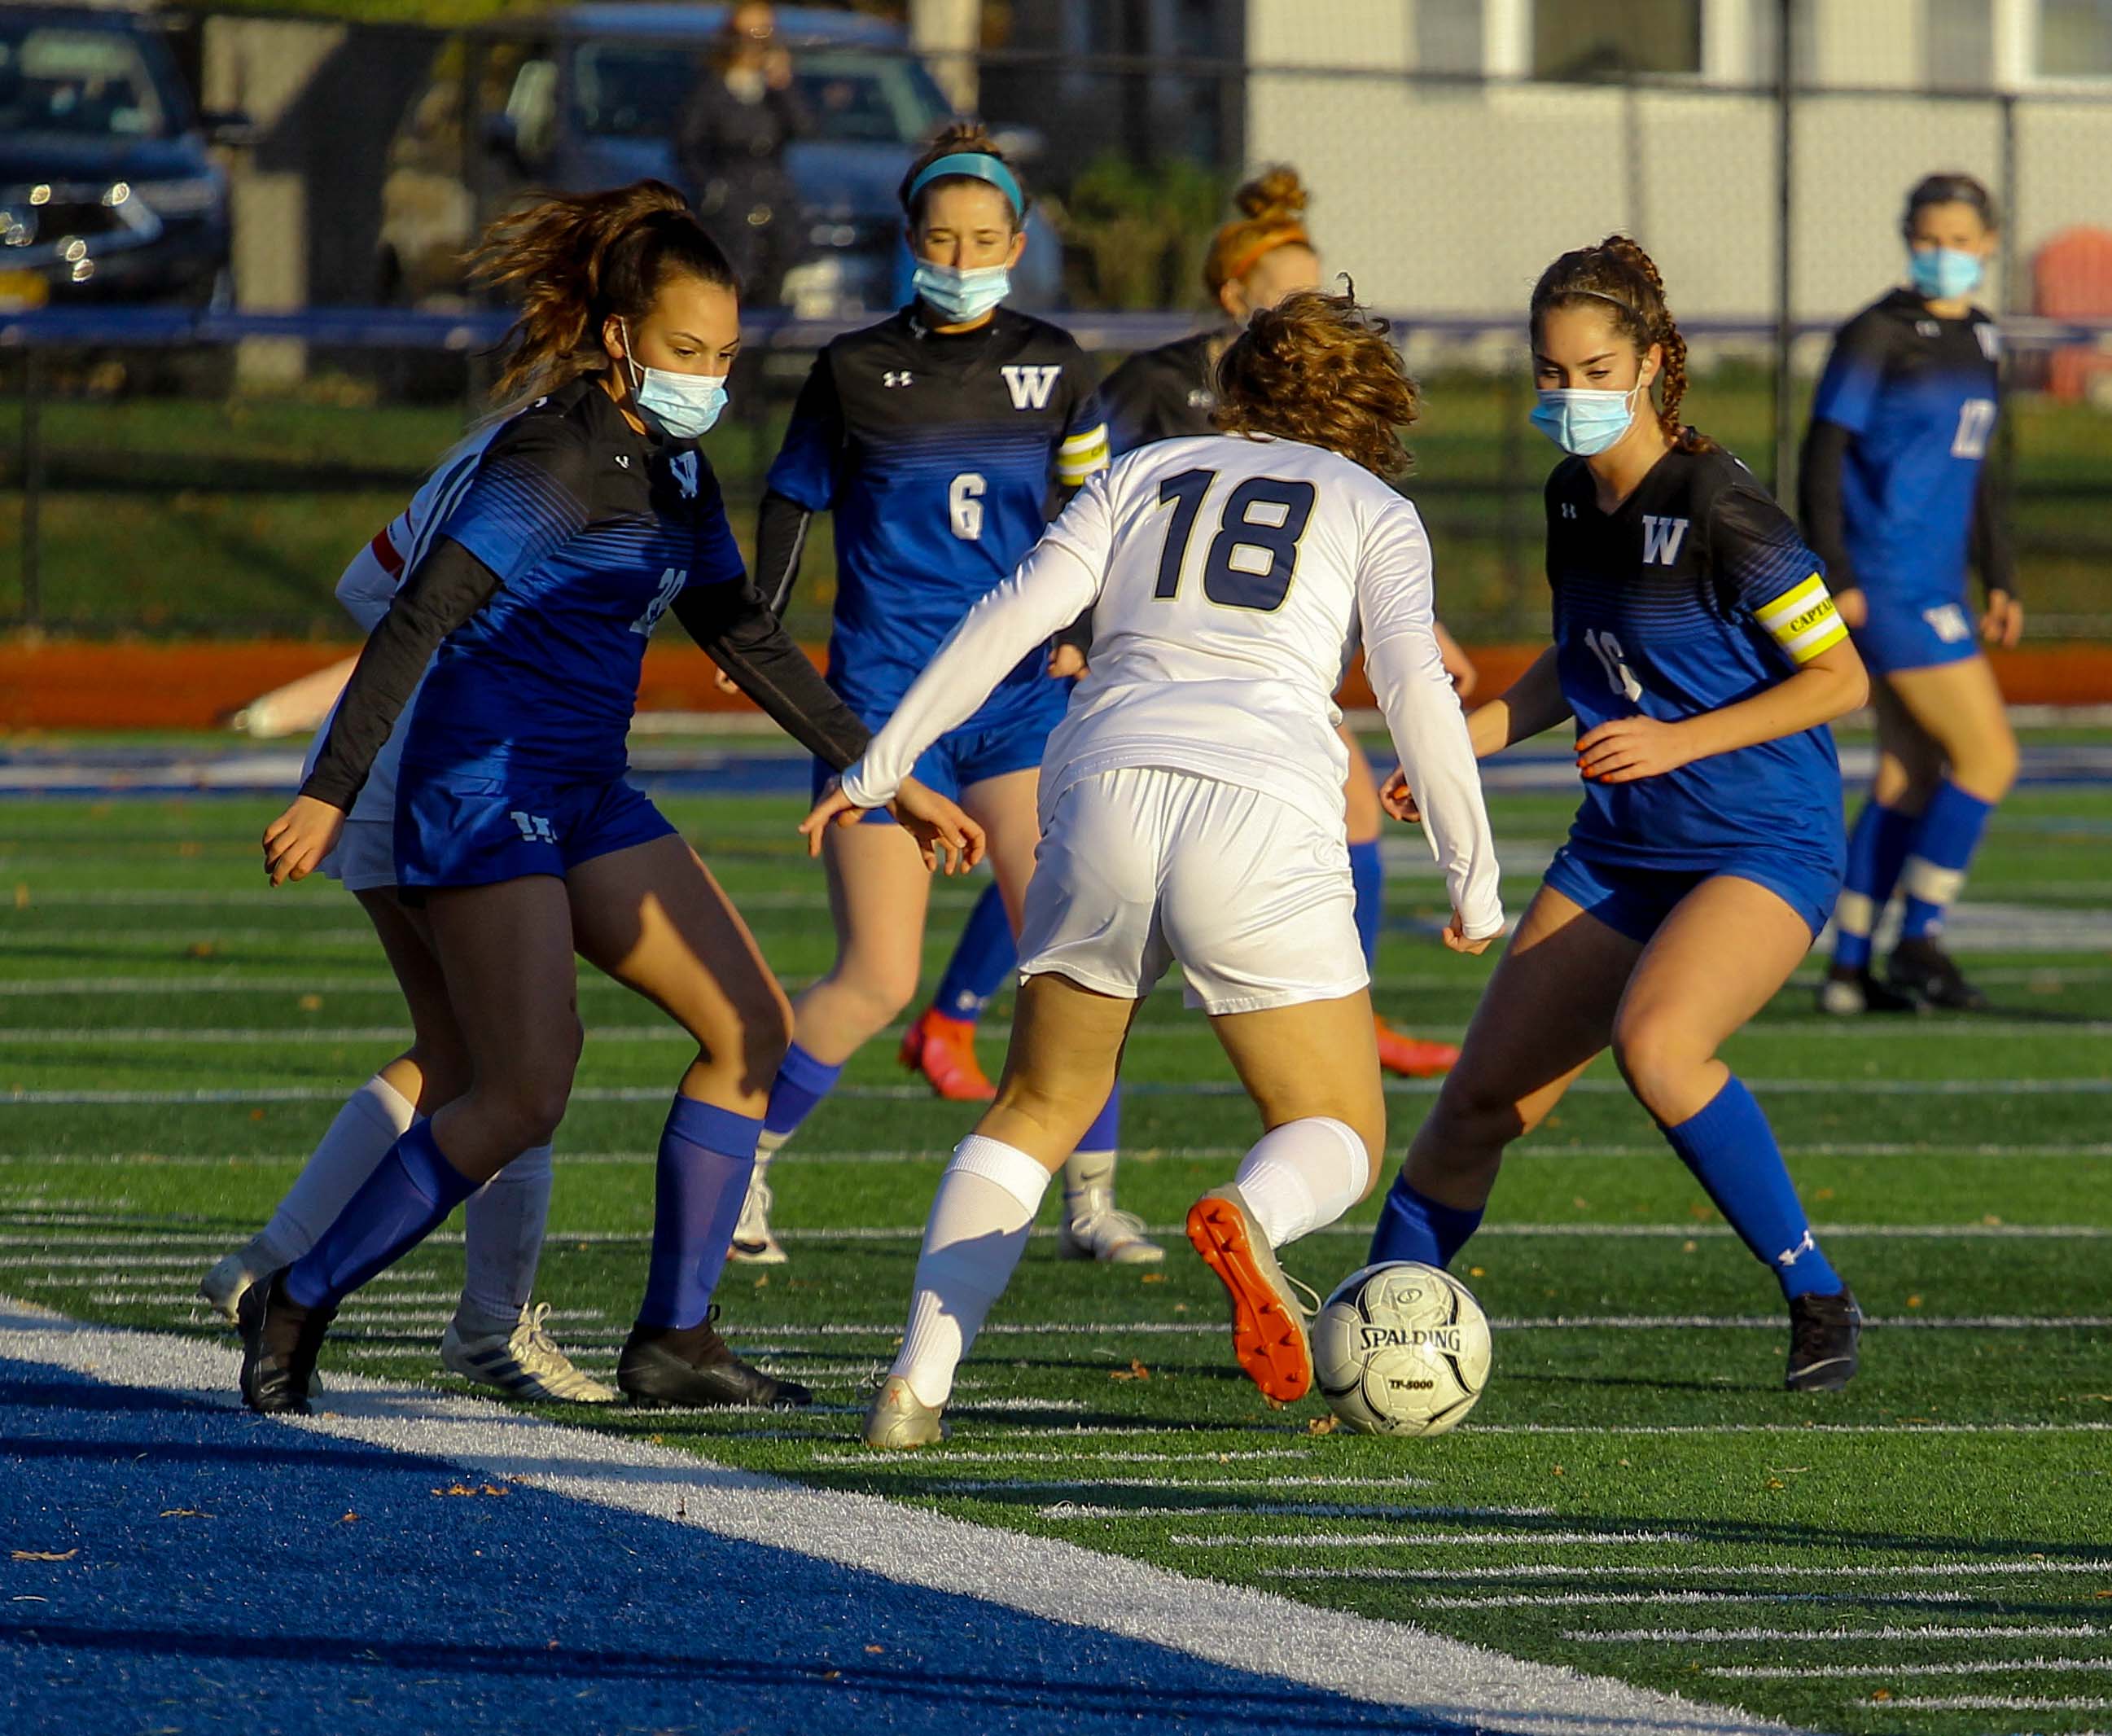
{"x": 2075, "y": 39}
{"x": 1611, "y": 38}
{"x": 1448, "y": 35}
{"x": 1960, "y": 44}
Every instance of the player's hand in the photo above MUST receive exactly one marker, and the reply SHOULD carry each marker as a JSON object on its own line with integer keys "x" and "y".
{"x": 1854, "y": 606}
{"x": 2003, "y": 623}
{"x": 1066, "y": 661}
{"x": 1398, "y": 800}
{"x": 1459, "y": 666}
{"x": 723, "y": 682}
{"x": 943, "y": 834}
{"x": 300, "y": 838}
{"x": 1455, "y": 936}
{"x": 1629, "y": 748}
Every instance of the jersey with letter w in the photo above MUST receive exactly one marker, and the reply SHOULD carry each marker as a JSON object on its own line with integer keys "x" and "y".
{"x": 1920, "y": 395}
{"x": 1695, "y": 593}
{"x": 1228, "y": 577}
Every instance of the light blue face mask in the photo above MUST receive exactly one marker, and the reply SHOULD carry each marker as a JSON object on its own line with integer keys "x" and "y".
{"x": 1584, "y": 422}
{"x": 1943, "y": 274}
{"x": 682, "y": 406}
{"x": 958, "y": 296}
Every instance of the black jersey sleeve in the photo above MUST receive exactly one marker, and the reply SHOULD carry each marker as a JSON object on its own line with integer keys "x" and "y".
{"x": 1756, "y": 553}
{"x": 802, "y": 481}
{"x": 449, "y": 585}
{"x": 1819, "y": 498}
{"x": 780, "y": 540}
{"x": 1993, "y": 553}
{"x": 737, "y": 628}
{"x": 1129, "y": 396}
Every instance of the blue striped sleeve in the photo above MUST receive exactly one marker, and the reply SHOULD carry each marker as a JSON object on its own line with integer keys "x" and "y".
{"x": 1855, "y": 376}
{"x": 528, "y": 499}
{"x": 805, "y": 470}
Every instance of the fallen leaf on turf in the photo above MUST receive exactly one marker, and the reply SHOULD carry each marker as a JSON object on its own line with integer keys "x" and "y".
{"x": 349, "y": 1518}
{"x": 311, "y": 1003}
{"x": 1477, "y": 1271}
{"x": 2103, "y": 1594}
{"x": 185, "y": 1513}
{"x": 1558, "y": 1471}
{"x": 875, "y": 1650}
{"x": 831, "y": 1676}
{"x": 1991, "y": 1219}
{"x": 190, "y": 847}
{"x": 21, "y": 895}
{"x": 467, "y": 1488}
{"x": 1326, "y": 1424}
{"x": 1136, "y": 1371}
{"x": 201, "y": 949}
{"x": 41, "y": 1555}
{"x": 1914, "y": 1302}
{"x": 1774, "y": 1483}
{"x": 1882, "y": 1694}
{"x": 1153, "y": 1278}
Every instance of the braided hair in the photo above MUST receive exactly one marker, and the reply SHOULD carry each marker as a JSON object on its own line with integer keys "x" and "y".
{"x": 1619, "y": 278}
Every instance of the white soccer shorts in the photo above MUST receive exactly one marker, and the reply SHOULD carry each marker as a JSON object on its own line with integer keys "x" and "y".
{"x": 364, "y": 857}
{"x": 1142, "y": 867}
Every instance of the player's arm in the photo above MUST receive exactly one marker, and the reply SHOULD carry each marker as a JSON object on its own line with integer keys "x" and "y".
{"x": 1406, "y": 666}
{"x": 1084, "y": 453}
{"x": 1840, "y": 411}
{"x": 801, "y": 482}
{"x": 1061, "y": 576}
{"x": 1757, "y": 555}
{"x": 1996, "y": 559}
{"x": 1530, "y": 706}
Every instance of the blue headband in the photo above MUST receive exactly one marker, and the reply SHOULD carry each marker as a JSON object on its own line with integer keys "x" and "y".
{"x": 977, "y": 165}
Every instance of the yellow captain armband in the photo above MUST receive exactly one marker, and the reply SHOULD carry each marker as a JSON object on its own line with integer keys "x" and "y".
{"x": 1803, "y": 621}
{"x": 1081, "y": 455}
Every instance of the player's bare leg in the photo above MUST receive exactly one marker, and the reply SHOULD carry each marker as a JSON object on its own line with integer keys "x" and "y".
{"x": 1313, "y": 1072}
{"x": 1067, "y": 1043}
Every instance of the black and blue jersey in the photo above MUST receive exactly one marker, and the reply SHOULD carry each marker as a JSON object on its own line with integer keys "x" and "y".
{"x": 1695, "y": 593}
{"x": 568, "y": 538}
{"x": 1165, "y": 393}
{"x": 1895, "y": 473}
{"x": 942, "y": 455}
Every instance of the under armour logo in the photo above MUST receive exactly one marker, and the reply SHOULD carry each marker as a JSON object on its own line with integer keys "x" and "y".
{"x": 896, "y": 377}
{"x": 1928, "y": 328}
{"x": 1031, "y": 386}
{"x": 683, "y": 467}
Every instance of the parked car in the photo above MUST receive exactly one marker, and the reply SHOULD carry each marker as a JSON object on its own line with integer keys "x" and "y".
{"x": 108, "y": 191}
{"x": 596, "y": 104}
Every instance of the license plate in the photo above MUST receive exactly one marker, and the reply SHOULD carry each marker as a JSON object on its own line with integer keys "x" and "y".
{"x": 20, "y": 290}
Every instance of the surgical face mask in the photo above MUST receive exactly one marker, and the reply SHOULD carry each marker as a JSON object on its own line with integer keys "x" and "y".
{"x": 683, "y": 406}
{"x": 960, "y": 296}
{"x": 1584, "y": 422}
{"x": 1943, "y": 274}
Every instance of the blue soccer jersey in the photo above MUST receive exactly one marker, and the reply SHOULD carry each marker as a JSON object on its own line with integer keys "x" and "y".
{"x": 1695, "y": 593}
{"x": 1918, "y": 396}
{"x": 939, "y": 453}
{"x": 592, "y": 531}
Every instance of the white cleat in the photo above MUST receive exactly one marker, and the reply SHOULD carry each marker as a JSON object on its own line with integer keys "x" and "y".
{"x": 525, "y": 1363}
{"x": 754, "y": 1244}
{"x": 899, "y": 1421}
{"x": 223, "y": 1286}
{"x": 1094, "y": 1229}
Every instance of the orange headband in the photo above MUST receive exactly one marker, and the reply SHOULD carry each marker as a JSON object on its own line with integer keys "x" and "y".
{"x": 1293, "y": 236}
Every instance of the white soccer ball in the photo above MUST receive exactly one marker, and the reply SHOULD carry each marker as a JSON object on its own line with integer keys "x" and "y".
{"x": 1401, "y": 1348}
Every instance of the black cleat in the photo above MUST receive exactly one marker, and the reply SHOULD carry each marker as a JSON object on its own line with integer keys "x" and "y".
{"x": 1823, "y": 1334}
{"x": 280, "y": 1340}
{"x": 1924, "y": 968}
{"x": 693, "y": 1365}
{"x": 1848, "y": 994}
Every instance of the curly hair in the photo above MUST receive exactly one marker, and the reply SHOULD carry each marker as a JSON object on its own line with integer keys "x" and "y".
{"x": 1271, "y": 204}
{"x": 579, "y": 258}
{"x": 1321, "y": 369}
{"x": 956, "y": 137}
{"x": 1617, "y": 277}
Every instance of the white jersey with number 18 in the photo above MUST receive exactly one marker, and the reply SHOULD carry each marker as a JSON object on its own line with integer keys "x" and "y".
{"x": 1229, "y": 579}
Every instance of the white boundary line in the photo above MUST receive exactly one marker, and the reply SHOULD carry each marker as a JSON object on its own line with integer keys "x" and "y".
{"x": 1834, "y": 1636}
{"x": 1973, "y": 1667}
{"x": 1994, "y": 1703}
{"x": 1597, "y": 1569}
{"x": 1379, "y": 1662}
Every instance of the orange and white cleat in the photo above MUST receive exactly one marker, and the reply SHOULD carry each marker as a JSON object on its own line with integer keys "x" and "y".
{"x": 1268, "y": 1319}
{"x": 943, "y": 1050}
{"x": 1411, "y": 1056}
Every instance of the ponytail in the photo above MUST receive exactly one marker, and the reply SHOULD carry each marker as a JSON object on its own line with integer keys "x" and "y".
{"x": 577, "y": 259}
{"x": 1617, "y": 276}
{"x": 1271, "y": 206}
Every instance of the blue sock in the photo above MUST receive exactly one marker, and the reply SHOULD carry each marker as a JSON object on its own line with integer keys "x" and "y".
{"x": 802, "y": 1081}
{"x": 707, "y": 1154}
{"x": 1105, "y": 1133}
{"x": 1733, "y": 1152}
{"x": 1943, "y": 845}
{"x": 1367, "y": 871}
{"x": 1413, "y": 1226}
{"x": 1877, "y": 851}
{"x": 407, "y": 1198}
{"x": 983, "y": 958}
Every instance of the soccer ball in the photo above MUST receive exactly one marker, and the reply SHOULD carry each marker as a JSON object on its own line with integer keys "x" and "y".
{"x": 1401, "y": 1349}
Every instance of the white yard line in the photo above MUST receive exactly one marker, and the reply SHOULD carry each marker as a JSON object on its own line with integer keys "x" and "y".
{"x": 1563, "y": 1599}
{"x": 1320, "y": 1510}
{"x": 1994, "y": 1703}
{"x": 1598, "y": 1569}
{"x": 1973, "y": 1667}
{"x": 1834, "y": 1636}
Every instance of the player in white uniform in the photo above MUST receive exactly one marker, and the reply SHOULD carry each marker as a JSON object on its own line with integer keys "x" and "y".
{"x": 1192, "y": 812}
{"x": 495, "y": 1337}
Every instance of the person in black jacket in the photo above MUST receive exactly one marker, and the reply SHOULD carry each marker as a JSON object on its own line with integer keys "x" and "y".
{"x": 587, "y": 517}
{"x": 731, "y": 146}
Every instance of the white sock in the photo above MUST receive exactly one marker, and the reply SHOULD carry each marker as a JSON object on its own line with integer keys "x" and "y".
{"x": 1302, "y": 1175}
{"x": 1084, "y": 1173}
{"x": 374, "y": 1117}
{"x": 977, "y": 1230}
{"x": 768, "y": 1145}
{"x": 502, "y": 1224}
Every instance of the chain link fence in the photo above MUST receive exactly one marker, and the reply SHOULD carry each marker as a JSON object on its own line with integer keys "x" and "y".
{"x": 217, "y": 484}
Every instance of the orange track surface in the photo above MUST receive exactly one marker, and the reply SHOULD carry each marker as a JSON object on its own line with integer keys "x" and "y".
{"x": 61, "y": 684}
